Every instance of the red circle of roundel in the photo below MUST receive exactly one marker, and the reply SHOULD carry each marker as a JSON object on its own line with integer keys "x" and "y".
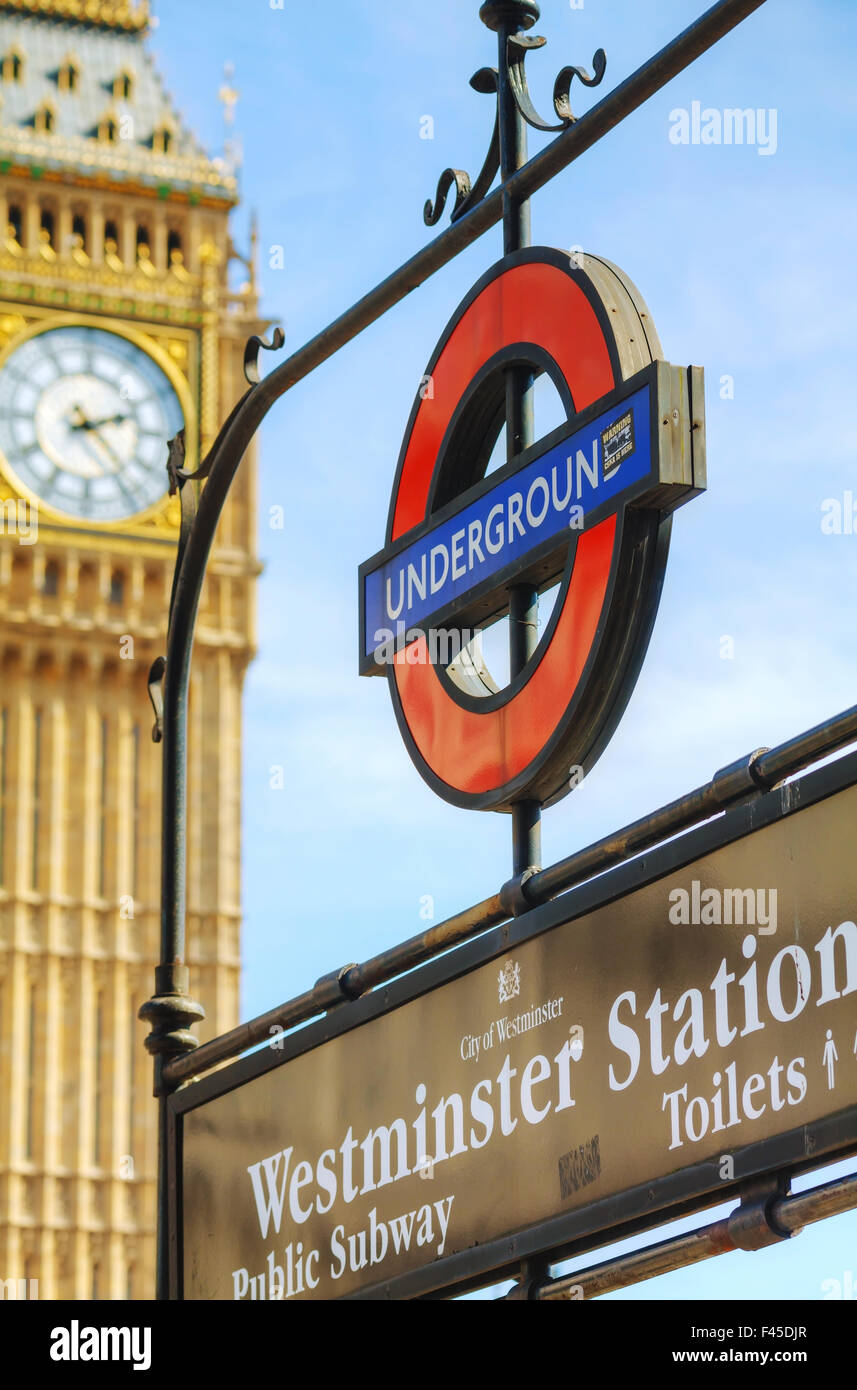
{"x": 488, "y": 759}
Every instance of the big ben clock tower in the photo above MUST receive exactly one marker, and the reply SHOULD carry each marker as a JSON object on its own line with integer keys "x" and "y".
{"x": 118, "y": 327}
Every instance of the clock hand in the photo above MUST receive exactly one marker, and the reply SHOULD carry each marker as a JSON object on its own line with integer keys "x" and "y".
{"x": 105, "y": 465}
{"x": 109, "y": 420}
{"x": 112, "y": 452}
{"x": 93, "y": 433}
{"x": 85, "y": 424}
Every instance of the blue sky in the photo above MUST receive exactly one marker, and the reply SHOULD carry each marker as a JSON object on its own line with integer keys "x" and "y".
{"x": 746, "y": 262}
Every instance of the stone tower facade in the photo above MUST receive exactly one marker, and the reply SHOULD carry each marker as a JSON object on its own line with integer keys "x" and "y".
{"x": 122, "y": 316}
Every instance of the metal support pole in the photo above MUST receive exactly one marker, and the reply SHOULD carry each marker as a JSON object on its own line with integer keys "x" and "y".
{"x": 523, "y": 640}
{"x": 510, "y": 17}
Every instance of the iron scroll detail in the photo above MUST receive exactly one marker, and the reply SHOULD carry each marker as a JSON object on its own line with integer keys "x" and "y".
{"x": 487, "y": 80}
{"x": 255, "y": 344}
{"x": 518, "y": 46}
{"x": 179, "y": 476}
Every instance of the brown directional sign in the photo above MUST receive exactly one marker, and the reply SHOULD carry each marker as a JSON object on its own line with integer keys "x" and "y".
{"x": 640, "y": 1046}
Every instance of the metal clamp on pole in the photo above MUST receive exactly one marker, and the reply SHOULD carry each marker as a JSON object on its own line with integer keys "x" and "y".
{"x": 339, "y": 979}
{"x": 740, "y": 779}
{"x": 513, "y": 894}
{"x": 534, "y": 1274}
{"x": 752, "y": 1225}
{"x": 171, "y": 1013}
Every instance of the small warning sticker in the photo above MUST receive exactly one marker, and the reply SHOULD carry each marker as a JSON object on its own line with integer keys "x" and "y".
{"x": 617, "y": 442}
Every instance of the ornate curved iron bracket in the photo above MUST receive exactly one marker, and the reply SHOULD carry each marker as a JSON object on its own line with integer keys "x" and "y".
{"x": 487, "y": 80}
{"x": 189, "y": 499}
{"x": 255, "y": 344}
{"x": 156, "y": 695}
{"x": 518, "y": 46}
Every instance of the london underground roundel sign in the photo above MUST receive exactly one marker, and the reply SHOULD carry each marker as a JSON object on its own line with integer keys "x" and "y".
{"x": 589, "y": 505}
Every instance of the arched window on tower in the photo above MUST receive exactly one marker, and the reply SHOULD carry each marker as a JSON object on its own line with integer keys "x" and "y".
{"x": 123, "y": 86}
{"x": 79, "y": 247}
{"x": 15, "y": 223}
{"x": 87, "y": 586}
{"x": 13, "y": 66}
{"x": 144, "y": 250}
{"x": 45, "y": 119}
{"x": 111, "y": 244}
{"x": 163, "y": 140}
{"x": 68, "y": 77}
{"x": 50, "y": 583}
{"x": 47, "y": 235}
{"x": 175, "y": 256}
{"x": 47, "y": 227}
{"x": 108, "y": 130}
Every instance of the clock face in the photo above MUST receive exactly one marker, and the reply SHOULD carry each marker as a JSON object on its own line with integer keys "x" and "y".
{"x": 85, "y": 416}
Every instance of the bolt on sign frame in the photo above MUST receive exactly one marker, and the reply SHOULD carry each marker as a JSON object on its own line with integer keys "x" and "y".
{"x": 766, "y": 1213}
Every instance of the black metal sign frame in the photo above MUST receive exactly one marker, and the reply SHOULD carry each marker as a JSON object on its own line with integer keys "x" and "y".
{"x": 690, "y": 1188}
